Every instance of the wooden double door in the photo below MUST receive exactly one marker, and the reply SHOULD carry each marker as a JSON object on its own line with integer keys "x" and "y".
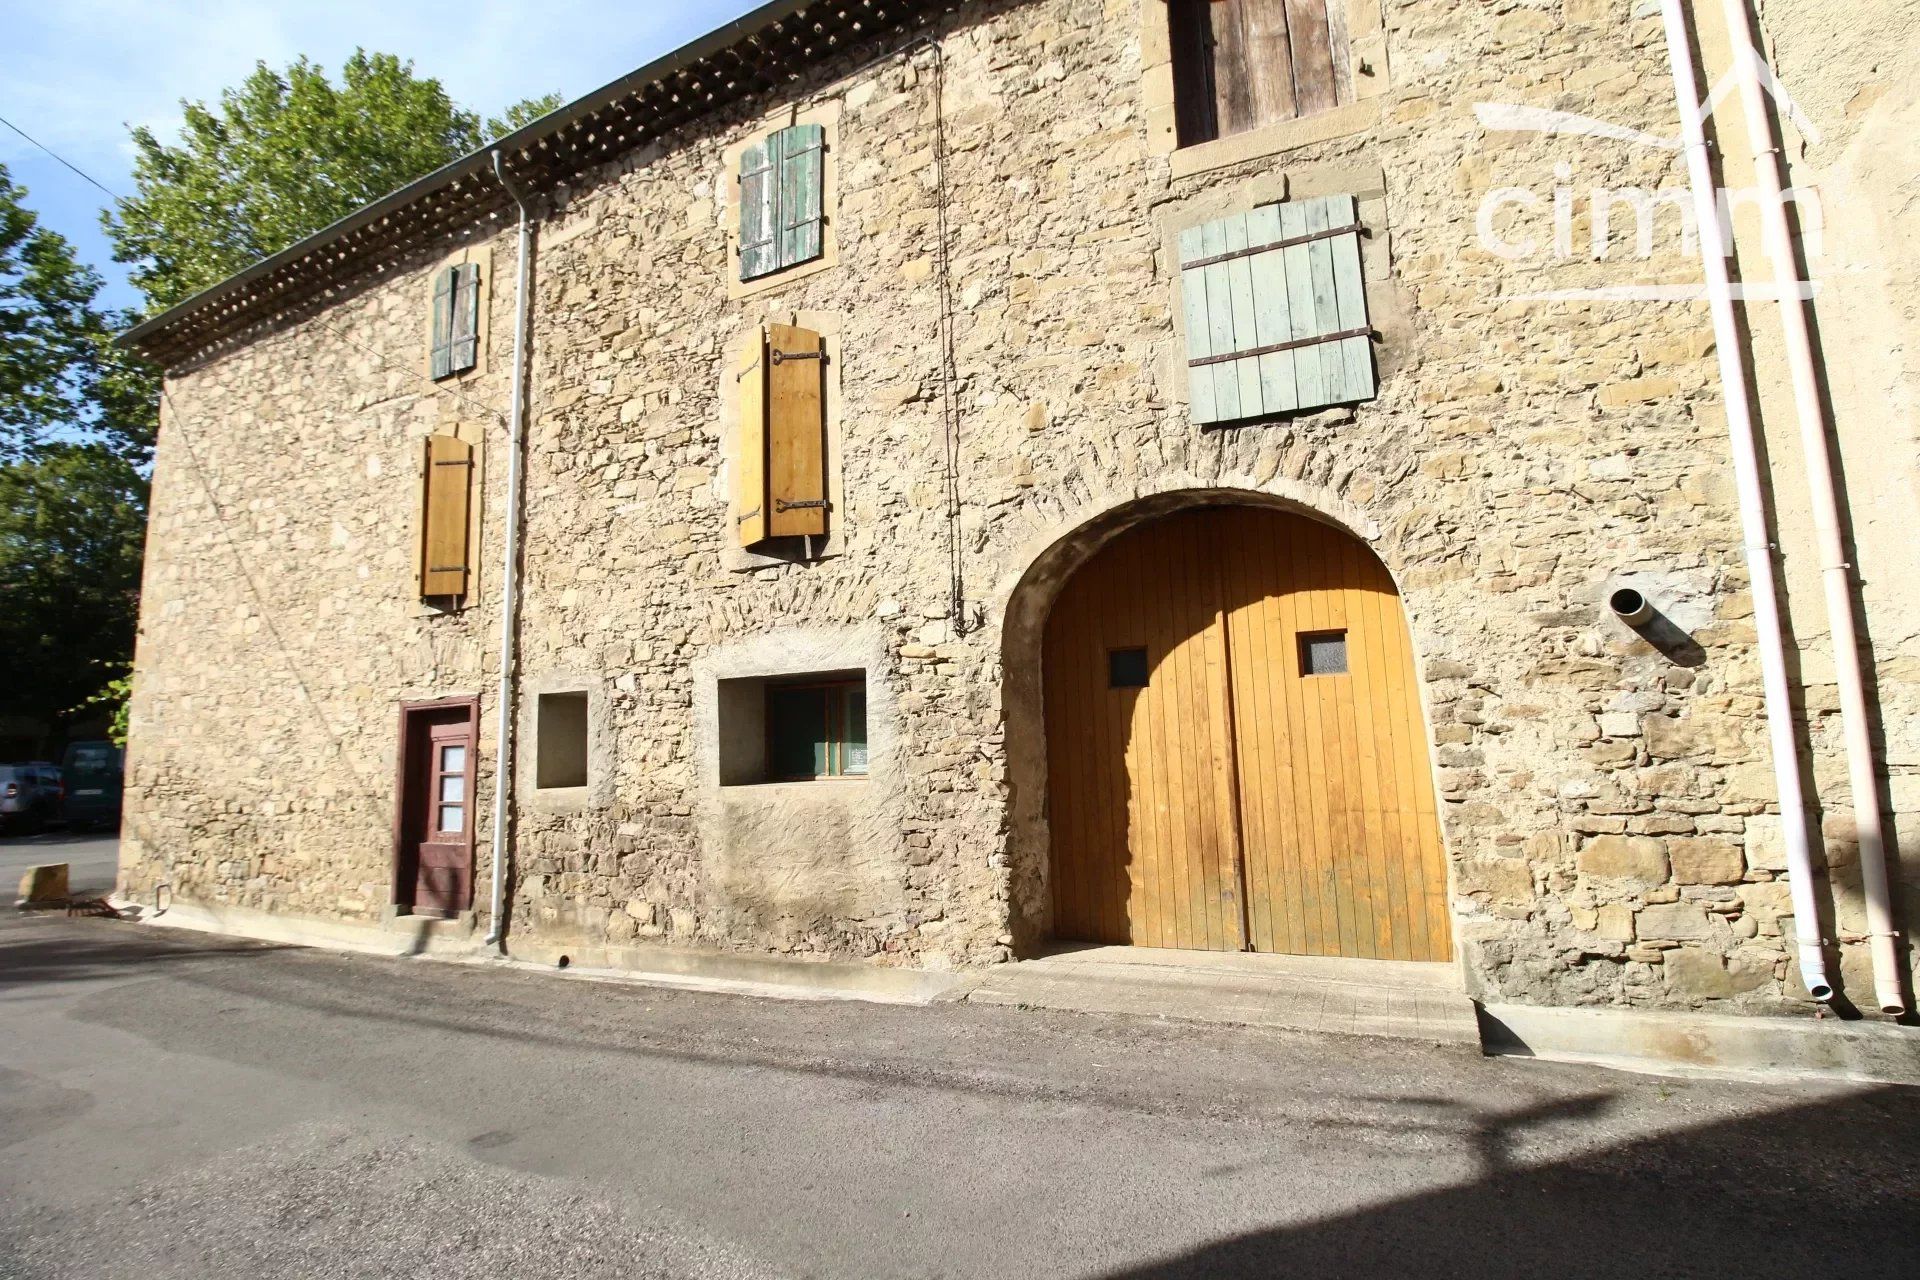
{"x": 1235, "y": 747}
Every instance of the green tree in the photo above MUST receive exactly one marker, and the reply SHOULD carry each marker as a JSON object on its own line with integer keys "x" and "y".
{"x": 280, "y": 157}
{"x": 59, "y": 374}
{"x": 72, "y": 520}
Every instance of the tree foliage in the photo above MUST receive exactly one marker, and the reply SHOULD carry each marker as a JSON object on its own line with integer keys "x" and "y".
{"x": 72, "y": 521}
{"x": 278, "y": 158}
{"x": 60, "y": 376}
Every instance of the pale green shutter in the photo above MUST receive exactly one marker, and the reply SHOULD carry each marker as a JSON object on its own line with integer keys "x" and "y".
{"x": 759, "y": 225}
{"x": 441, "y": 361}
{"x": 781, "y": 180}
{"x": 1276, "y": 311}
{"x": 802, "y": 152}
{"x": 466, "y": 318}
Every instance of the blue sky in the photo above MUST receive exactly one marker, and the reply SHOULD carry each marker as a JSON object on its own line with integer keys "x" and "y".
{"x": 76, "y": 73}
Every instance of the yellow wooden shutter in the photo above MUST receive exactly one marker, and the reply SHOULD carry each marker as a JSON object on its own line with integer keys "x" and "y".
{"x": 747, "y": 469}
{"x": 445, "y": 494}
{"x": 796, "y": 432}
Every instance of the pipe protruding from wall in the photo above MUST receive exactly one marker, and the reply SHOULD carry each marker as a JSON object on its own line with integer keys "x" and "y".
{"x": 1631, "y": 607}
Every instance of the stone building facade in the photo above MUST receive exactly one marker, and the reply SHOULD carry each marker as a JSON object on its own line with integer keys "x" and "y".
{"x": 1007, "y": 387}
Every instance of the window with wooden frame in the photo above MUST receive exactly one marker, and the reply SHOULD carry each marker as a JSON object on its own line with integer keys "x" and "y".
{"x": 778, "y": 472}
{"x": 1240, "y": 64}
{"x": 782, "y": 181}
{"x": 456, "y": 320}
{"x": 816, "y": 730}
{"x": 446, "y": 506}
{"x": 1274, "y": 303}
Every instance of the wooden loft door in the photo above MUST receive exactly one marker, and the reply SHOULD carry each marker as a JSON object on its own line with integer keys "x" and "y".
{"x": 1236, "y": 753}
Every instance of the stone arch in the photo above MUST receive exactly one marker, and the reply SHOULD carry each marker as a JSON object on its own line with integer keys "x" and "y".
{"x": 1022, "y": 603}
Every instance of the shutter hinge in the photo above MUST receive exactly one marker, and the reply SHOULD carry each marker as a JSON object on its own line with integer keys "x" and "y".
{"x": 454, "y": 462}
{"x": 1274, "y": 348}
{"x": 781, "y": 357}
{"x": 781, "y": 504}
{"x": 448, "y": 568}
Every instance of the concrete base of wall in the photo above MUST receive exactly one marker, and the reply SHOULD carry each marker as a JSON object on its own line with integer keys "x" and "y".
{"x": 1722, "y": 1045}
{"x": 1419, "y": 1002}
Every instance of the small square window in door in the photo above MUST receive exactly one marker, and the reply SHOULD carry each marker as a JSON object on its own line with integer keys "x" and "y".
{"x": 1323, "y": 653}
{"x": 1127, "y": 668}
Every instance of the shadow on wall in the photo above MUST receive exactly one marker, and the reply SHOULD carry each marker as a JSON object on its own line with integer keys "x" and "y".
{"x": 1631, "y": 1209}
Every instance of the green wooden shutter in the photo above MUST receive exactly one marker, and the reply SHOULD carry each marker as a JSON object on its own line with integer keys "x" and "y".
{"x": 802, "y": 169}
{"x": 1276, "y": 311}
{"x": 441, "y": 360}
{"x": 759, "y": 214}
{"x": 465, "y": 345}
{"x": 781, "y": 180}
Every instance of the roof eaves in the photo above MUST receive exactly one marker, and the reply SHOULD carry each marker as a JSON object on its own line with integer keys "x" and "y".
{"x": 477, "y": 163}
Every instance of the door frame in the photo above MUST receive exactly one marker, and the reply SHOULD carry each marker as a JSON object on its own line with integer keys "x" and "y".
{"x": 412, "y": 730}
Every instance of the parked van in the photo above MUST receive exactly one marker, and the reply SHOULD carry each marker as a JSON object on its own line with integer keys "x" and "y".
{"x": 93, "y": 780}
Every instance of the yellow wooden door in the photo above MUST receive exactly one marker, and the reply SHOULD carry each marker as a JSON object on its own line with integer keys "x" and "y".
{"x": 1138, "y": 747}
{"x": 1268, "y": 786}
{"x": 1337, "y": 810}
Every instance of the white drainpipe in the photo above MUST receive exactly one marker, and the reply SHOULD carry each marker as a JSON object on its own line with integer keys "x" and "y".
{"x": 1836, "y": 573}
{"x": 1753, "y": 513}
{"x": 510, "y": 572}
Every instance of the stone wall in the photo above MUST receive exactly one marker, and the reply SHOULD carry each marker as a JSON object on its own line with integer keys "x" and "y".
{"x": 1606, "y": 807}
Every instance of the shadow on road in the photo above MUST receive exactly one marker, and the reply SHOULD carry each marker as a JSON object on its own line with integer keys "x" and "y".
{"x": 1828, "y": 1189}
{"x": 33, "y": 957}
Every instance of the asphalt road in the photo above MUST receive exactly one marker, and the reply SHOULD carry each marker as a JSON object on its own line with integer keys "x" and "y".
{"x": 181, "y": 1106}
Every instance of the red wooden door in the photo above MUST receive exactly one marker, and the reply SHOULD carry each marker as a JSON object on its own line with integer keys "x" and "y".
{"x": 435, "y": 875}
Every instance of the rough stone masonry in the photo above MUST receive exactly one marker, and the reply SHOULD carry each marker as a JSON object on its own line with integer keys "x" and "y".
{"x": 1609, "y": 813}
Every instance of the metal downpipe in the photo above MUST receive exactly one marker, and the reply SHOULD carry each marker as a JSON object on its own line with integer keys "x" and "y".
{"x": 1752, "y": 496}
{"x": 1835, "y": 572}
{"x": 510, "y": 568}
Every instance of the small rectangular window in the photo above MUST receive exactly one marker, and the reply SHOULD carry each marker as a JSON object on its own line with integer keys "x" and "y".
{"x": 816, "y": 730}
{"x": 560, "y": 740}
{"x": 1126, "y": 668}
{"x": 1323, "y": 653}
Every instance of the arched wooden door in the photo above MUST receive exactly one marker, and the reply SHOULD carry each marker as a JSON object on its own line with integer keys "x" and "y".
{"x": 1235, "y": 751}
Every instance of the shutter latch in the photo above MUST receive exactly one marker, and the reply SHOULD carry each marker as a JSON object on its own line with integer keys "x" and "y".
{"x": 743, "y": 518}
{"x": 781, "y": 357}
{"x": 781, "y": 504}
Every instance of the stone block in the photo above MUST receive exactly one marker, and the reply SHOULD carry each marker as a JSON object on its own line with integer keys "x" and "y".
{"x": 1704, "y": 860}
{"x": 1503, "y": 879}
{"x": 1672, "y": 921}
{"x": 1693, "y": 974}
{"x": 1623, "y": 857}
{"x": 1615, "y": 922}
{"x": 44, "y": 886}
{"x": 1766, "y": 843}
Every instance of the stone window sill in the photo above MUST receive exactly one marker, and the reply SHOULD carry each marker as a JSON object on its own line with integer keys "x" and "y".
{"x": 1340, "y": 122}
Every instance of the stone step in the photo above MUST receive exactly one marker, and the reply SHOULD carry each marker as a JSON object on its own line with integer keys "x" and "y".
{"x": 1344, "y": 997}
